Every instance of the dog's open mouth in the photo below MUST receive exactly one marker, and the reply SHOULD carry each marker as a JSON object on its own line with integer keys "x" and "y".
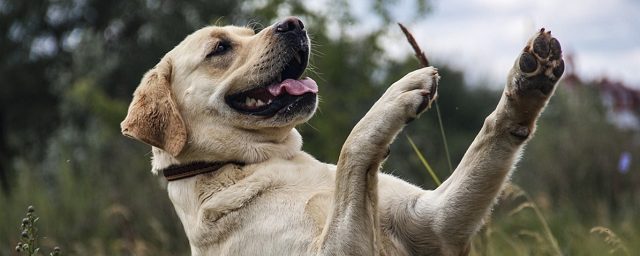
{"x": 285, "y": 92}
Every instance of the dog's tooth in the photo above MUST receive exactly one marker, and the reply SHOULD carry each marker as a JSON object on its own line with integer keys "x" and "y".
{"x": 253, "y": 102}
{"x": 247, "y": 102}
{"x": 269, "y": 102}
{"x": 298, "y": 57}
{"x": 259, "y": 103}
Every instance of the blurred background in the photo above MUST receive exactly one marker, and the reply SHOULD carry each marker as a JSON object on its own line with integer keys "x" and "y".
{"x": 68, "y": 69}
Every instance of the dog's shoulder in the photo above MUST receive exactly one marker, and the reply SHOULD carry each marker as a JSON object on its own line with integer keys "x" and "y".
{"x": 234, "y": 186}
{"x": 299, "y": 173}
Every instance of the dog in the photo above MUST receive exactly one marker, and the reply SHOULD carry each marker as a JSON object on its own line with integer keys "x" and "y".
{"x": 220, "y": 111}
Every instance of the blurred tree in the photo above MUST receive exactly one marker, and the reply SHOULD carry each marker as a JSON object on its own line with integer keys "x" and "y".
{"x": 27, "y": 106}
{"x": 68, "y": 61}
{"x": 69, "y": 68}
{"x": 587, "y": 179}
{"x": 51, "y": 46}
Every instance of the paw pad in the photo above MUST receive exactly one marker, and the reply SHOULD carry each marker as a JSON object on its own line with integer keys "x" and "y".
{"x": 540, "y": 64}
{"x": 559, "y": 70}
{"x": 528, "y": 62}
{"x": 541, "y": 55}
{"x": 541, "y": 47}
{"x": 556, "y": 50}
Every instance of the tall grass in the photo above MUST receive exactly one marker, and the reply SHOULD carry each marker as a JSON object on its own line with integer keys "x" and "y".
{"x": 86, "y": 208}
{"x": 518, "y": 226}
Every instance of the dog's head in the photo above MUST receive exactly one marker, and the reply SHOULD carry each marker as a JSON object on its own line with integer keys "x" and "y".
{"x": 226, "y": 94}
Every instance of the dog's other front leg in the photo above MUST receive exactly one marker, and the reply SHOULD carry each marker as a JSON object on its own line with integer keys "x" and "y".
{"x": 466, "y": 198}
{"x": 352, "y": 227}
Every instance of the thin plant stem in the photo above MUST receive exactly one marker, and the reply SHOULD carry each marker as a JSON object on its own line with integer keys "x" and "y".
{"x": 444, "y": 138}
{"x": 424, "y": 162}
{"x": 547, "y": 230}
{"x": 424, "y": 62}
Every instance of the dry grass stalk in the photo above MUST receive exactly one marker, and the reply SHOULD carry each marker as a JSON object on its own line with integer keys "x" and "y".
{"x": 424, "y": 62}
{"x": 611, "y": 239}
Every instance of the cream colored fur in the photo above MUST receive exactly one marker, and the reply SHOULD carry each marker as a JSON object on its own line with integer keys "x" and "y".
{"x": 285, "y": 202}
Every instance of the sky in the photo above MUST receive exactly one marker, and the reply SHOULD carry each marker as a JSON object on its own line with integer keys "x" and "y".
{"x": 484, "y": 37}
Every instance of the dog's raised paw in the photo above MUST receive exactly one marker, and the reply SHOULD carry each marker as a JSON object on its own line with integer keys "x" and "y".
{"x": 414, "y": 93}
{"x": 540, "y": 64}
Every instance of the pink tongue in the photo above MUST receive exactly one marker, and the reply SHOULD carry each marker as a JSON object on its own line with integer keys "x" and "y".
{"x": 294, "y": 87}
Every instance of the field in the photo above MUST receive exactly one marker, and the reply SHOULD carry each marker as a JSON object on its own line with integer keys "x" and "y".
{"x": 71, "y": 67}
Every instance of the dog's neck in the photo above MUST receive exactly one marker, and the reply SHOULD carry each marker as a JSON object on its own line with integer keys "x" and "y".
{"x": 247, "y": 152}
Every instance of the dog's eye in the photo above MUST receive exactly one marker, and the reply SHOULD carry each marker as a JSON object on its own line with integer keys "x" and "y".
{"x": 219, "y": 48}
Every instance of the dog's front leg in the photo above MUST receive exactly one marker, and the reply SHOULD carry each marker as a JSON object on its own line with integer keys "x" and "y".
{"x": 352, "y": 227}
{"x": 465, "y": 199}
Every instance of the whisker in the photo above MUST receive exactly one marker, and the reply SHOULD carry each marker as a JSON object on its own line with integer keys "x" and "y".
{"x": 253, "y": 24}
{"x": 312, "y": 127}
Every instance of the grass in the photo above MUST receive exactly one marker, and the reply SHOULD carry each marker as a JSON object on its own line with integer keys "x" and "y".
{"x": 130, "y": 214}
{"x": 514, "y": 228}
{"x": 85, "y": 212}
{"x": 424, "y": 162}
{"x": 518, "y": 226}
{"x": 90, "y": 209}
{"x": 444, "y": 138}
{"x": 611, "y": 240}
{"x": 544, "y": 238}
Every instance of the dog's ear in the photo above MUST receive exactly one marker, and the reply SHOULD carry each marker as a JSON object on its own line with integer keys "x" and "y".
{"x": 153, "y": 116}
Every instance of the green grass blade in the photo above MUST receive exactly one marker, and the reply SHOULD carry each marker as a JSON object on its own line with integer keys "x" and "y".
{"x": 424, "y": 162}
{"x": 444, "y": 138}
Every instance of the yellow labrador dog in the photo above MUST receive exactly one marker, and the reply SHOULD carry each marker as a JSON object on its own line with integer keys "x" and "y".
{"x": 220, "y": 110}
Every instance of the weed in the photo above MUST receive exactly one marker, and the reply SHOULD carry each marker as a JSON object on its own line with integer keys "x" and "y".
{"x": 29, "y": 236}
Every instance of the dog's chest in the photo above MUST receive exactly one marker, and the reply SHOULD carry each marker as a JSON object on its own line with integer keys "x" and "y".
{"x": 242, "y": 209}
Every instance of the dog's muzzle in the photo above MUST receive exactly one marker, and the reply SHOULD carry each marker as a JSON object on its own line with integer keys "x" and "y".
{"x": 286, "y": 92}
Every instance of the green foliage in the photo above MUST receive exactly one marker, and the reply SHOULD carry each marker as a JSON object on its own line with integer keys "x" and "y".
{"x": 573, "y": 158}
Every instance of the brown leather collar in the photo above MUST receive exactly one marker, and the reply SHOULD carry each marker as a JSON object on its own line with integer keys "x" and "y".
{"x": 181, "y": 171}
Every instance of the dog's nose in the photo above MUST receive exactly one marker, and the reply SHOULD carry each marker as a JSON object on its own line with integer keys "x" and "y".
{"x": 289, "y": 24}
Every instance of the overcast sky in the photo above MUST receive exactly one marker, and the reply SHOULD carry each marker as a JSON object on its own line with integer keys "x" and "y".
{"x": 483, "y": 37}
